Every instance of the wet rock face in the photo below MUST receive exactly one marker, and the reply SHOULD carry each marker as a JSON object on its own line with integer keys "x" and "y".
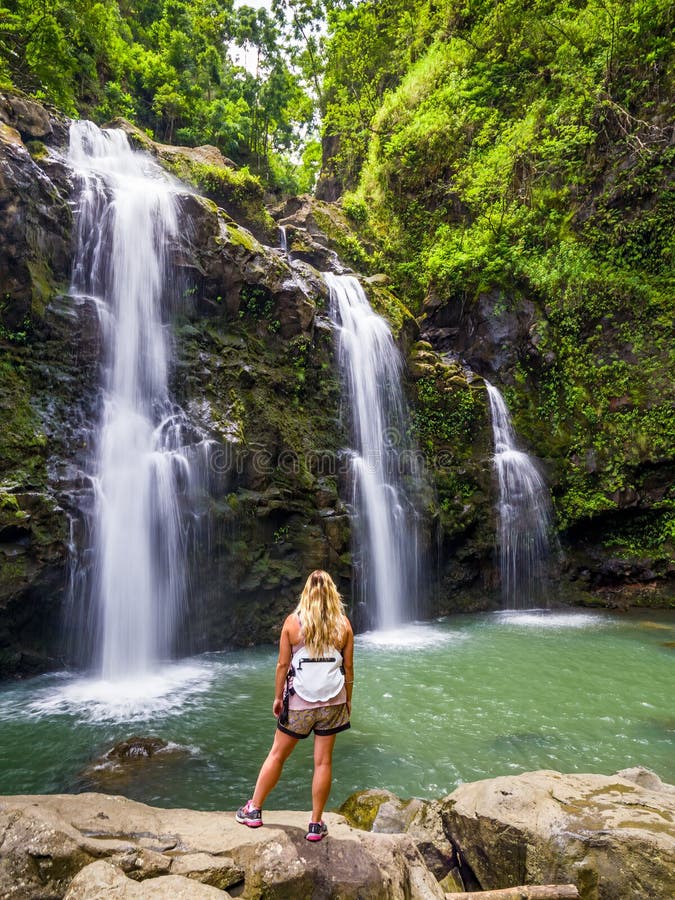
{"x": 240, "y": 194}
{"x": 450, "y": 413}
{"x": 35, "y": 223}
{"x": 31, "y": 119}
{"x": 321, "y": 234}
{"x": 255, "y": 370}
{"x": 490, "y": 335}
{"x": 40, "y": 380}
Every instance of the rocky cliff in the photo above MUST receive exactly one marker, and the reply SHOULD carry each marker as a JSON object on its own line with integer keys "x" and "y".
{"x": 254, "y": 370}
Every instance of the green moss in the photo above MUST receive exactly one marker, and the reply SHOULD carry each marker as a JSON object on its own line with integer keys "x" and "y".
{"x": 43, "y": 286}
{"x": 390, "y": 307}
{"x": 236, "y": 190}
{"x": 448, "y": 413}
{"x": 242, "y": 237}
{"x": 279, "y": 394}
{"x": 37, "y": 150}
{"x": 361, "y": 809}
{"x": 256, "y": 302}
{"x": 510, "y": 159}
{"x": 646, "y": 535}
{"x": 23, "y": 445}
{"x": 342, "y": 236}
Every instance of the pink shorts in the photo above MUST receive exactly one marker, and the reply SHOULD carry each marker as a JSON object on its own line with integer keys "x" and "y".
{"x": 322, "y": 720}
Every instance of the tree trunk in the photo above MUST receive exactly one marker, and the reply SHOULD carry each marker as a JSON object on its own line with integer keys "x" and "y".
{"x": 524, "y": 892}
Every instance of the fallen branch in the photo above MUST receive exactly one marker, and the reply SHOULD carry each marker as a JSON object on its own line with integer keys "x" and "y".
{"x": 524, "y": 892}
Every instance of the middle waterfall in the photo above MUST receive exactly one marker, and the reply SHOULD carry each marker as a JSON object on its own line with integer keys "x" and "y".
{"x": 371, "y": 366}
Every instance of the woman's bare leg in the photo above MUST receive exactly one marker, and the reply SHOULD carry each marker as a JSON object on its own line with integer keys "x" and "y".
{"x": 323, "y": 773}
{"x": 271, "y": 769}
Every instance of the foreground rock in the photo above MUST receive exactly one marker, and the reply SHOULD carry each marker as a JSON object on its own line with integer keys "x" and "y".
{"x": 87, "y": 846}
{"x": 613, "y": 837}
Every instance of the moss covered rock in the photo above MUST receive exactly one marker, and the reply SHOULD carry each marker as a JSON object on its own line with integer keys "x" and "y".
{"x": 233, "y": 189}
{"x": 451, "y": 421}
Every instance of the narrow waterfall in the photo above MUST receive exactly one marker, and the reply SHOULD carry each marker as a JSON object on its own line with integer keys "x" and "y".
{"x": 130, "y": 576}
{"x": 386, "y": 551}
{"x": 283, "y": 241}
{"x": 524, "y": 514}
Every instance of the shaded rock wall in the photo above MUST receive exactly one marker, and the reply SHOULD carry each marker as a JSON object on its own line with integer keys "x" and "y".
{"x": 43, "y": 381}
{"x": 254, "y": 368}
{"x": 450, "y": 425}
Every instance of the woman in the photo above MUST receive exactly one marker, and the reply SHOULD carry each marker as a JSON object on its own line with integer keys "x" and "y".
{"x": 319, "y": 635}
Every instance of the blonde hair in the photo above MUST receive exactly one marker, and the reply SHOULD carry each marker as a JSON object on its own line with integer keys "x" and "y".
{"x": 321, "y": 613}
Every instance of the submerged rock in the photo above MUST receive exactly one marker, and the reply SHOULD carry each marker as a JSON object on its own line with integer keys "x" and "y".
{"x": 136, "y": 747}
{"x": 130, "y": 763}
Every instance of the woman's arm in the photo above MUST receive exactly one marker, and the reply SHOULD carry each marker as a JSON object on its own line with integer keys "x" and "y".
{"x": 283, "y": 663}
{"x": 348, "y": 664}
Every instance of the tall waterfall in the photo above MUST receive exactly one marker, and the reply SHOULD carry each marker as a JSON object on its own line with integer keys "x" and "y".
{"x": 524, "y": 513}
{"x": 131, "y": 573}
{"x": 371, "y": 366}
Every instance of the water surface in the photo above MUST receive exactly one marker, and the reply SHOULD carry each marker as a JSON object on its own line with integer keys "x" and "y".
{"x": 435, "y": 705}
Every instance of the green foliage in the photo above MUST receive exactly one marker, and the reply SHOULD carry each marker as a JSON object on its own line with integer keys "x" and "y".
{"x": 237, "y": 190}
{"x": 369, "y": 48}
{"x": 355, "y": 208}
{"x": 58, "y": 49}
{"x": 17, "y": 334}
{"x": 522, "y": 152}
{"x": 256, "y": 302}
{"x": 348, "y": 245}
{"x": 646, "y": 534}
{"x": 168, "y": 65}
{"x": 446, "y": 416}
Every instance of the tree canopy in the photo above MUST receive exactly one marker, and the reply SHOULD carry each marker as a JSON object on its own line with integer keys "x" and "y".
{"x": 171, "y": 67}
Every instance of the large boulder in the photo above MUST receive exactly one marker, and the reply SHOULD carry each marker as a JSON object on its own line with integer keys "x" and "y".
{"x": 613, "y": 836}
{"x": 89, "y": 845}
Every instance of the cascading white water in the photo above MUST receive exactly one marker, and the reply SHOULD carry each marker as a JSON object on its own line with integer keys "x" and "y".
{"x": 371, "y": 364}
{"x": 141, "y": 462}
{"x": 283, "y": 241}
{"x": 524, "y": 514}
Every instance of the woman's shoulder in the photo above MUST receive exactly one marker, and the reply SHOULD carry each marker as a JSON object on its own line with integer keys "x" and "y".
{"x": 292, "y": 627}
